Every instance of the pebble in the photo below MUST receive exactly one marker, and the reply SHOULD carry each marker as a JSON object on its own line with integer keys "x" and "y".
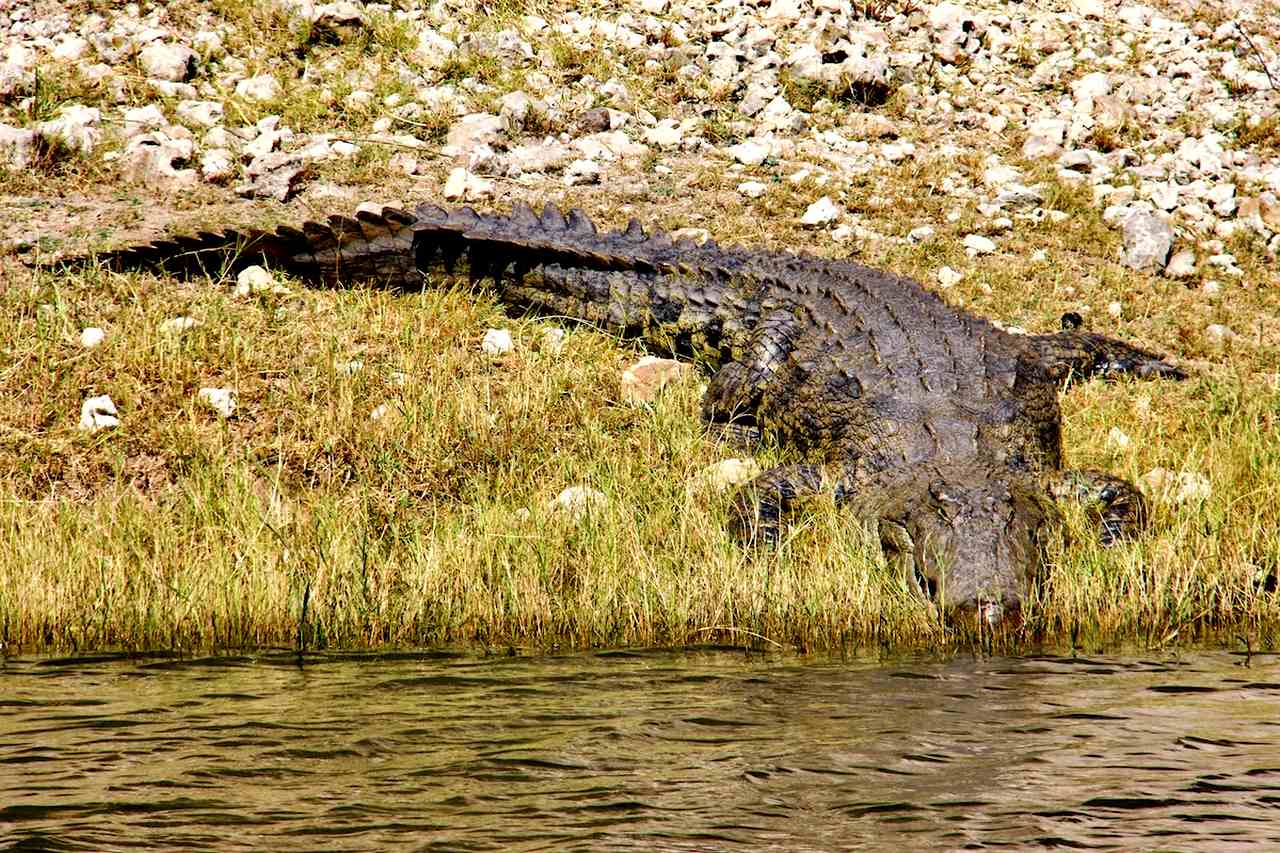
{"x": 497, "y": 342}
{"x": 821, "y": 212}
{"x": 579, "y": 502}
{"x": 91, "y": 337}
{"x": 98, "y": 413}
{"x": 221, "y": 400}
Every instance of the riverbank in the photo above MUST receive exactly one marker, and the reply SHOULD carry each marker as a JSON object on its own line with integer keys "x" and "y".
{"x": 383, "y": 478}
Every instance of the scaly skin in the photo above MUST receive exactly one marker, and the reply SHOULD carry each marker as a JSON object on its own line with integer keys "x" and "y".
{"x": 919, "y": 415}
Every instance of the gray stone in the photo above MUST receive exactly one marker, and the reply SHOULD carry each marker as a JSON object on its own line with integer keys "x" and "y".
{"x": 173, "y": 62}
{"x": 1147, "y": 240}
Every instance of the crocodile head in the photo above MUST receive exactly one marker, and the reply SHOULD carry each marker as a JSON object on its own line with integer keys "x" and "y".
{"x": 971, "y": 542}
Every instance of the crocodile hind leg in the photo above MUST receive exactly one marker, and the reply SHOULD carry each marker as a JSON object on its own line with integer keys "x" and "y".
{"x": 734, "y": 395}
{"x": 1121, "y": 507}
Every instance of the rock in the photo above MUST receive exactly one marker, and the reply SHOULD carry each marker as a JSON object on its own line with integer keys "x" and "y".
{"x": 75, "y": 127}
{"x": 976, "y": 244}
{"x": 582, "y": 172}
{"x": 472, "y": 131}
{"x": 149, "y": 160}
{"x": 1118, "y": 439}
{"x": 497, "y": 342}
{"x": 1181, "y": 487}
{"x": 221, "y": 400}
{"x": 379, "y": 412}
{"x": 202, "y": 113}
{"x": 579, "y": 502}
{"x": 98, "y": 413}
{"x": 642, "y": 381}
{"x": 254, "y": 280}
{"x": 164, "y": 61}
{"x": 337, "y": 22}
{"x": 262, "y": 88}
{"x": 217, "y": 165}
{"x": 696, "y": 235}
{"x": 92, "y": 337}
{"x": 552, "y": 341}
{"x": 1147, "y": 240}
{"x": 752, "y": 189}
{"x": 948, "y": 278}
{"x": 1220, "y": 335}
{"x": 921, "y": 234}
{"x": 821, "y": 212}
{"x": 726, "y": 474}
{"x": 17, "y": 146}
{"x": 1181, "y": 265}
{"x": 749, "y": 153}
{"x": 178, "y": 325}
{"x": 70, "y": 49}
{"x": 278, "y": 175}
{"x": 1018, "y": 196}
{"x": 898, "y": 151}
{"x": 462, "y": 185}
{"x": 595, "y": 121}
{"x": 666, "y": 134}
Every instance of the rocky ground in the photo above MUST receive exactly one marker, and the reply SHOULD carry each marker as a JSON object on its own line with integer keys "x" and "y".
{"x": 1168, "y": 115}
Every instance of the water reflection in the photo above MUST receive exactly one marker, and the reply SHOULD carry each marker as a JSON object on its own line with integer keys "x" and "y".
{"x": 701, "y": 750}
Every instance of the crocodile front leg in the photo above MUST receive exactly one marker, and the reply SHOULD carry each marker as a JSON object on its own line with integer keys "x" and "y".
{"x": 760, "y": 507}
{"x": 1122, "y": 508}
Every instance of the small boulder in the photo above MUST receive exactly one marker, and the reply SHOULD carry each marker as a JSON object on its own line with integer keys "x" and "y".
{"x": 726, "y": 474}
{"x": 221, "y": 400}
{"x": 579, "y": 502}
{"x": 98, "y": 413}
{"x": 497, "y": 342}
{"x": 1147, "y": 240}
{"x": 164, "y": 61}
{"x": 643, "y": 381}
{"x": 821, "y": 212}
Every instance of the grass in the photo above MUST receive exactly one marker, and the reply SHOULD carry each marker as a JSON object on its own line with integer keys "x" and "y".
{"x": 301, "y": 519}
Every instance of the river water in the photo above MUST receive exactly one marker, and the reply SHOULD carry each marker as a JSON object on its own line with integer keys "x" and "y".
{"x": 707, "y": 749}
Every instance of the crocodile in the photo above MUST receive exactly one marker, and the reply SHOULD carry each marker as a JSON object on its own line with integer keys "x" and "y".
{"x": 935, "y": 425}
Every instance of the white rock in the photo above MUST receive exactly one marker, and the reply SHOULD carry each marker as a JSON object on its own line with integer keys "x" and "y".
{"x": 461, "y": 184}
{"x": 217, "y": 165}
{"x": 178, "y": 325}
{"x": 497, "y": 342}
{"x": 1119, "y": 439}
{"x": 553, "y": 340}
{"x": 149, "y": 159}
{"x": 1181, "y": 265}
{"x": 98, "y": 413}
{"x": 668, "y": 133}
{"x": 264, "y": 87}
{"x": 174, "y": 62}
{"x": 1176, "y": 486}
{"x": 91, "y": 337}
{"x": 821, "y": 212}
{"x": 578, "y": 502}
{"x": 752, "y": 189}
{"x": 70, "y": 49}
{"x": 921, "y": 234}
{"x": 948, "y": 278}
{"x": 1219, "y": 334}
{"x": 749, "y": 153}
{"x": 726, "y": 474}
{"x": 582, "y": 172}
{"x": 350, "y": 367}
{"x": 202, "y": 113}
{"x": 221, "y": 400}
{"x": 76, "y": 127}
{"x": 896, "y": 152}
{"x": 1115, "y": 310}
{"x": 976, "y": 244}
{"x": 379, "y": 412}
{"x": 254, "y": 280}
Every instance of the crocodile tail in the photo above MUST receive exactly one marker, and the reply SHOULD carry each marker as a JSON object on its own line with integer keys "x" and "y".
{"x": 368, "y": 245}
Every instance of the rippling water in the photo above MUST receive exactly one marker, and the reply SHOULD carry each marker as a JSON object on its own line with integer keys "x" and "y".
{"x": 698, "y": 750}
